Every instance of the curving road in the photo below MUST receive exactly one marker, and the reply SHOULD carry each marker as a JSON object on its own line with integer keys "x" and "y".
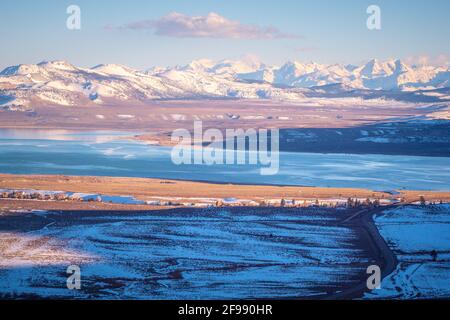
{"x": 383, "y": 255}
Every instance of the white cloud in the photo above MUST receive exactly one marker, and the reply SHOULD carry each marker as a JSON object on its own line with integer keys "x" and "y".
{"x": 424, "y": 60}
{"x": 212, "y": 25}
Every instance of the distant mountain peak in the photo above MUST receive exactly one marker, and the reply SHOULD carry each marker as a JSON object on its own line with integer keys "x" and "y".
{"x": 60, "y": 64}
{"x": 61, "y": 83}
{"x": 21, "y": 69}
{"x": 114, "y": 69}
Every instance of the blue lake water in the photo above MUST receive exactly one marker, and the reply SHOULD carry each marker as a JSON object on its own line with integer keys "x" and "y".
{"x": 108, "y": 154}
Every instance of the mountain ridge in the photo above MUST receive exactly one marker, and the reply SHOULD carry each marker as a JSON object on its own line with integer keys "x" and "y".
{"x": 61, "y": 83}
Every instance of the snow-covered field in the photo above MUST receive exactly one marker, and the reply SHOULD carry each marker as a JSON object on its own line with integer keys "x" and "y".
{"x": 413, "y": 232}
{"x": 179, "y": 254}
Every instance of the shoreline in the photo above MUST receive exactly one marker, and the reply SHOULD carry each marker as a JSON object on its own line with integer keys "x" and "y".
{"x": 159, "y": 193}
{"x": 327, "y": 140}
{"x": 149, "y": 189}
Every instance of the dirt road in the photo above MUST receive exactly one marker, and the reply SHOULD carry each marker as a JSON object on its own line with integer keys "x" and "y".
{"x": 383, "y": 255}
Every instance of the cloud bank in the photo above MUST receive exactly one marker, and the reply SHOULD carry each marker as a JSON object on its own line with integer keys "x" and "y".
{"x": 212, "y": 25}
{"x": 424, "y": 59}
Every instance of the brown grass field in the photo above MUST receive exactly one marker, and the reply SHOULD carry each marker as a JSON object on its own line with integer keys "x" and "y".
{"x": 147, "y": 189}
{"x": 165, "y": 116}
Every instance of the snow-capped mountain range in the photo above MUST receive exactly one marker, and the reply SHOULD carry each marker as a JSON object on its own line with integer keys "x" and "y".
{"x": 61, "y": 83}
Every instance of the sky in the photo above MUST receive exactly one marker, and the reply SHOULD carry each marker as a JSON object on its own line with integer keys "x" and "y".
{"x": 142, "y": 34}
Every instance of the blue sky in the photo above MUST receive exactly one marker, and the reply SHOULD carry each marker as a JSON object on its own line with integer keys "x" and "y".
{"x": 326, "y": 31}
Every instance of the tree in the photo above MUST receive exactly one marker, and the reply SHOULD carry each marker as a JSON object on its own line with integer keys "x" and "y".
{"x": 434, "y": 255}
{"x": 350, "y": 202}
{"x": 422, "y": 201}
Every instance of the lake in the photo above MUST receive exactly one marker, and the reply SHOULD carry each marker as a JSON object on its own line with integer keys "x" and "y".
{"x": 105, "y": 153}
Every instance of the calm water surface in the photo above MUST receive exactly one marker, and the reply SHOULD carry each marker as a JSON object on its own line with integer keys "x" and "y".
{"x": 109, "y": 154}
